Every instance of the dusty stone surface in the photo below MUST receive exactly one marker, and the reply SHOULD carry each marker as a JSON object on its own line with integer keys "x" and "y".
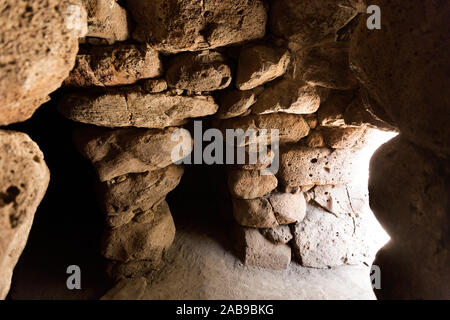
{"x": 120, "y": 64}
{"x": 300, "y": 166}
{"x": 340, "y": 199}
{"x": 154, "y": 85}
{"x": 37, "y": 52}
{"x": 409, "y": 189}
{"x": 278, "y": 235}
{"x": 140, "y": 241}
{"x": 288, "y": 208}
{"x": 199, "y": 71}
{"x": 305, "y": 23}
{"x": 259, "y": 64}
{"x": 199, "y": 261}
{"x": 118, "y": 152}
{"x": 24, "y": 178}
{"x": 286, "y": 95}
{"x": 291, "y": 127}
{"x": 125, "y": 108}
{"x": 234, "y": 103}
{"x": 138, "y": 192}
{"x": 327, "y": 65}
{"x": 314, "y": 139}
{"x": 324, "y": 240}
{"x": 127, "y": 289}
{"x": 256, "y": 251}
{"x": 256, "y": 213}
{"x": 191, "y": 25}
{"x": 246, "y": 184}
{"x": 107, "y": 20}
{"x": 407, "y": 75}
{"x": 345, "y": 138}
{"x": 264, "y": 159}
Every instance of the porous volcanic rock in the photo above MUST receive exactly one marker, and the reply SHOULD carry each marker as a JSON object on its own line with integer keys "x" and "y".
{"x": 24, "y": 178}
{"x": 246, "y": 184}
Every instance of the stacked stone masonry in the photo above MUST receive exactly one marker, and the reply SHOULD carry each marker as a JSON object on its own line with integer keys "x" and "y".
{"x": 310, "y": 69}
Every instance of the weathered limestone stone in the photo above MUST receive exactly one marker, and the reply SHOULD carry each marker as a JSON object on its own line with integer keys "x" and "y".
{"x": 327, "y": 65}
{"x": 154, "y": 85}
{"x": 38, "y": 46}
{"x": 120, "y": 64}
{"x": 118, "y": 152}
{"x": 259, "y": 64}
{"x": 199, "y": 71}
{"x": 24, "y": 178}
{"x": 307, "y": 22}
{"x": 311, "y": 119}
{"x": 140, "y": 241}
{"x": 406, "y": 70}
{"x": 300, "y": 166}
{"x": 256, "y": 213}
{"x": 409, "y": 188}
{"x": 286, "y": 95}
{"x": 125, "y": 108}
{"x": 278, "y": 235}
{"x": 138, "y": 192}
{"x": 234, "y": 103}
{"x": 314, "y": 139}
{"x": 288, "y": 208}
{"x": 345, "y": 138}
{"x": 291, "y": 127}
{"x": 107, "y": 19}
{"x": 331, "y": 112}
{"x": 257, "y": 251}
{"x": 127, "y": 289}
{"x": 190, "y": 25}
{"x": 264, "y": 159}
{"x": 340, "y": 199}
{"x": 324, "y": 240}
{"x": 245, "y": 184}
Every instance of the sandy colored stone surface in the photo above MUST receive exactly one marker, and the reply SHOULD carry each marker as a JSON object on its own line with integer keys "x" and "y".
{"x": 138, "y": 192}
{"x": 300, "y": 166}
{"x": 118, "y": 152}
{"x": 125, "y": 108}
{"x": 140, "y": 241}
{"x": 246, "y": 184}
{"x": 256, "y": 251}
{"x": 288, "y": 208}
{"x": 191, "y": 25}
{"x": 259, "y": 64}
{"x": 278, "y": 235}
{"x": 107, "y": 20}
{"x": 234, "y": 103}
{"x": 199, "y": 71}
{"x": 120, "y": 64}
{"x": 38, "y": 46}
{"x": 24, "y": 178}
{"x": 127, "y": 289}
{"x": 286, "y": 95}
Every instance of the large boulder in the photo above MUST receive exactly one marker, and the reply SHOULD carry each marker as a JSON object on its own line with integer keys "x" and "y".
{"x": 38, "y": 46}
{"x": 134, "y": 108}
{"x": 191, "y": 25}
{"x": 24, "y": 178}
{"x": 405, "y": 68}
{"x": 409, "y": 189}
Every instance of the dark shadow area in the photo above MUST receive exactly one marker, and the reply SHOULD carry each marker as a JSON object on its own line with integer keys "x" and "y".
{"x": 68, "y": 224}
